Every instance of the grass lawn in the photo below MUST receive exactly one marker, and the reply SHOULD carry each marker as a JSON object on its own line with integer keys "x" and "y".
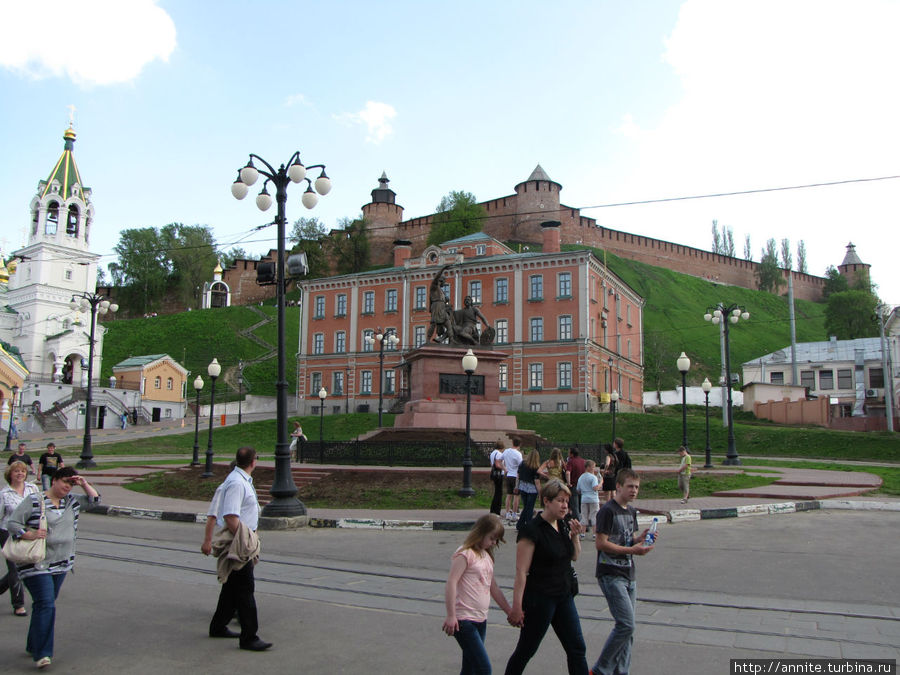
{"x": 889, "y": 474}
{"x": 407, "y": 489}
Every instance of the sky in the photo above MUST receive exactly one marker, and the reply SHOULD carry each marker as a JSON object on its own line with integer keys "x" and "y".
{"x": 618, "y": 101}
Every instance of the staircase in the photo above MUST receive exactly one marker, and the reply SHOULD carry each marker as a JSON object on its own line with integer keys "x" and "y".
{"x": 302, "y": 476}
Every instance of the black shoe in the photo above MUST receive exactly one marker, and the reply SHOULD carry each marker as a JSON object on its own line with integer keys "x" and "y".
{"x": 257, "y": 645}
{"x": 224, "y": 633}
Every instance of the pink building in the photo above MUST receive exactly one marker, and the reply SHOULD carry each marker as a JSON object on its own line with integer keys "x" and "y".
{"x": 570, "y": 329}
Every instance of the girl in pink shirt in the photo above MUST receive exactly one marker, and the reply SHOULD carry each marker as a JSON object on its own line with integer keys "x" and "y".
{"x": 470, "y": 587}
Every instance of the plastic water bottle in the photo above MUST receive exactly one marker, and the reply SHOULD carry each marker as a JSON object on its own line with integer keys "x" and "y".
{"x": 650, "y": 539}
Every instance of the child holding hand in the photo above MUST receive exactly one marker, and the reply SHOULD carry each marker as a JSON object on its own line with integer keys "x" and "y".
{"x": 470, "y": 587}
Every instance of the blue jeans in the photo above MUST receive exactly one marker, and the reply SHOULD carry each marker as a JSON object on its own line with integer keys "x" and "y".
{"x": 615, "y": 659}
{"x": 541, "y": 612}
{"x": 527, "y": 515}
{"x": 44, "y": 589}
{"x": 470, "y": 637}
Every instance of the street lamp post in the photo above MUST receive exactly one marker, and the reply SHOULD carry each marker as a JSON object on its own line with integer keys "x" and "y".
{"x": 726, "y": 314}
{"x": 198, "y": 385}
{"x": 707, "y": 387}
{"x": 213, "y": 371}
{"x": 12, "y": 412}
{"x": 284, "y": 491}
{"x": 82, "y": 302}
{"x": 613, "y": 402}
{"x": 240, "y": 387}
{"x": 322, "y": 396}
{"x": 684, "y": 365}
{"x": 469, "y": 364}
{"x": 389, "y": 336}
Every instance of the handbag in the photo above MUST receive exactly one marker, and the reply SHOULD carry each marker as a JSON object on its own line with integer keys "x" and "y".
{"x": 27, "y": 551}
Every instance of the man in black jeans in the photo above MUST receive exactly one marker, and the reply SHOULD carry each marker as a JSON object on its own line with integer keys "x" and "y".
{"x": 235, "y": 509}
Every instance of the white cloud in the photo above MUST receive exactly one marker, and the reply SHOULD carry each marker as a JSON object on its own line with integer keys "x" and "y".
{"x": 375, "y": 116}
{"x": 774, "y": 93}
{"x": 296, "y": 99}
{"x": 92, "y": 42}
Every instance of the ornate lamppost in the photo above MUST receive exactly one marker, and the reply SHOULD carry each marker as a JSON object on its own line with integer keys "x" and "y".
{"x": 726, "y": 314}
{"x": 389, "y": 336}
{"x": 284, "y": 491}
{"x": 322, "y": 396}
{"x": 213, "y": 371}
{"x": 684, "y": 365}
{"x": 12, "y": 412}
{"x": 707, "y": 387}
{"x": 613, "y": 402}
{"x": 82, "y": 302}
{"x": 469, "y": 364}
{"x": 198, "y": 385}
{"x": 240, "y": 387}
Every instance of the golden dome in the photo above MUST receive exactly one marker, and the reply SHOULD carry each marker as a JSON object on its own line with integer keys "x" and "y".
{"x": 69, "y": 134}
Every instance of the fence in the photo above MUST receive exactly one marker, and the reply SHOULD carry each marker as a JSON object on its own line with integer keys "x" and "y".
{"x": 414, "y": 453}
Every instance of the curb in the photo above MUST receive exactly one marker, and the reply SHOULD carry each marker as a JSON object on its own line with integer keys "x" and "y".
{"x": 674, "y": 516}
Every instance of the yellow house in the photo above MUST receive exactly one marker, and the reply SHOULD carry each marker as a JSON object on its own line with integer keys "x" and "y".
{"x": 161, "y": 382}
{"x": 12, "y": 375}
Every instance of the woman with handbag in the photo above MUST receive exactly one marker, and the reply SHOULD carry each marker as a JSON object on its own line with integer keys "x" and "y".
{"x": 43, "y": 579}
{"x": 10, "y": 497}
{"x": 545, "y": 584}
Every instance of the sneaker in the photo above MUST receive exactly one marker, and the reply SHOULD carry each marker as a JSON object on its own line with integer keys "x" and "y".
{"x": 684, "y": 501}
{"x": 43, "y": 662}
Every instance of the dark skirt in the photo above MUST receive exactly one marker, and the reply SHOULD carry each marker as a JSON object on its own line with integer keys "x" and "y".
{"x": 609, "y": 484}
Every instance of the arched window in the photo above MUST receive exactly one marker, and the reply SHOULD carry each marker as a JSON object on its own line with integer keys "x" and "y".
{"x": 52, "y": 218}
{"x": 34, "y": 221}
{"x": 72, "y": 221}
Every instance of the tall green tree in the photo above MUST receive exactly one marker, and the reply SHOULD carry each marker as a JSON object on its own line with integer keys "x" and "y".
{"x": 227, "y": 258}
{"x": 801, "y": 257}
{"x": 311, "y": 236}
{"x": 458, "y": 214}
{"x": 748, "y": 251}
{"x": 787, "y": 260}
{"x": 851, "y": 314}
{"x": 835, "y": 282}
{"x": 143, "y": 268}
{"x": 768, "y": 273}
{"x": 351, "y": 247}
{"x": 191, "y": 249}
{"x": 716, "y": 237}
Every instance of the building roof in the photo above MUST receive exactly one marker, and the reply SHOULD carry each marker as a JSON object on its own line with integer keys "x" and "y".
{"x": 824, "y": 352}
{"x": 475, "y": 236}
{"x": 539, "y": 174}
{"x": 851, "y": 258}
{"x": 65, "y": 171}
{"x": 139, "y": 361}
{"x": 13, "y": 353}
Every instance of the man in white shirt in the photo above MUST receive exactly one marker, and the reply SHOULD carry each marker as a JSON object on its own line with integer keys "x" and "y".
{"x": 512, "y": 457}
{"x": 233, "y": 505}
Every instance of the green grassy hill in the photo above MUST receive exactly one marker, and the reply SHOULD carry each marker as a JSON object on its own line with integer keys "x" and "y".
{"x": 195, "y": 338}
{"x": 673, "y": 321}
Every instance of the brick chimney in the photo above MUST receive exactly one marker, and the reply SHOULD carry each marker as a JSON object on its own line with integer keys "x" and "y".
{"x": 550, "y": 232}
{"x": 402, "y": 251}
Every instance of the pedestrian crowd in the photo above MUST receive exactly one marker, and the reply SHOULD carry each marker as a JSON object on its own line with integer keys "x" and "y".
{"x": 38, "y": 528}
{"x": 548, "y": 542}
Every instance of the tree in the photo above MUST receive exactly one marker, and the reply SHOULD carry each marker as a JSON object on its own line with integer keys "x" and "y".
{"x": 801, "y": 257}
{"x": 851, "y": 314}
{"x": 835, "y": 282}
{"x": 227, "y": 258}
{"x": 748, "y": 252}
{"x": 144, "y": 268}
{"x": 351, "y": 248}
{"x": 457, "y": 215}
{"x": 101, "y": 277}
{"x": 311, "y": 236}
{"x": 768, "y": 274}
{"x": 192, "y": 252}
{"x": 787, "y": 260}
{"x": 716, "y": 237}
{"x": 729, "y": 242}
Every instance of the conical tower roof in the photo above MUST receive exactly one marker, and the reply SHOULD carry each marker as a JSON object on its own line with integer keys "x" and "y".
{"x": 851, "y": 258}
{"x": 65, "y": 170}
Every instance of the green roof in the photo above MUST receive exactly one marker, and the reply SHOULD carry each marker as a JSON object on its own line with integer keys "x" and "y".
{"x": 139, "y": 361}
{"x": 65, "y": 171}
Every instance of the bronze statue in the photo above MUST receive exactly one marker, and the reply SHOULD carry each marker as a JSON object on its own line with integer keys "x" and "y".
{"x": 459, "y": 327}
{"x": 441, "y": 312}
{"x": 465, "y": 330}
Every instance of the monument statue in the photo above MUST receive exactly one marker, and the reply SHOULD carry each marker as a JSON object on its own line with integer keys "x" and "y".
{"x": 456, "y": 327}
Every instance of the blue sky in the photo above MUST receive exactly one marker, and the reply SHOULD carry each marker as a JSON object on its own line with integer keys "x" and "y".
{"x": 618, "y": 101}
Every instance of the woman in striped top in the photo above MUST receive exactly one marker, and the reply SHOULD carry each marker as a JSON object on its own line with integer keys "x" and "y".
{"x": 44, "y": 579}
